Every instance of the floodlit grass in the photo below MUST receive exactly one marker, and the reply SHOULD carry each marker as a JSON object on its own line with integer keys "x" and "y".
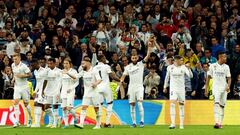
{"x": 123, "y": 130}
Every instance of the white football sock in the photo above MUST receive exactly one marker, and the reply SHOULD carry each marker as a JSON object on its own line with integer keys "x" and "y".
{"x": 29, "y": 112}
{"x": 17, "y": 112}
{"x": 65, "y": 117}
{"x": 55, "y": 117}
{"x": 98, "y": 119}
{"x": 37, "y": 113}
{"x": 50, "y": 115}
{"x": 72, "y": 111}
{"x": 172, "y": 113}
{"x": 181, "y": 114}
{"x": 216, "y": 113}
{"x": 133, "y": 113}
{"x": 109, "y": 113}
{"x": 141, "y": 111}
{"x": 82, "y": 116}
{"x": 221, "y": 114}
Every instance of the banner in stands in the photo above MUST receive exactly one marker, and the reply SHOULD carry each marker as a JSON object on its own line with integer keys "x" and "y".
{"x": 197, "y": 112}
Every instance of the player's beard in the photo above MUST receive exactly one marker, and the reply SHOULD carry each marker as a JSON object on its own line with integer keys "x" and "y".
{"x": 134, "y": 62}
{"x": 84, "y": 68}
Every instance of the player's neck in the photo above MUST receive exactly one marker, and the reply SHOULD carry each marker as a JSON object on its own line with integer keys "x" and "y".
{"x": 220, "y": 63}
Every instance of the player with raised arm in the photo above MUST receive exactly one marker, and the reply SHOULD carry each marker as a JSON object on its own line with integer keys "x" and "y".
{"x": 69, "y": 83}
{"x": 21, "y": 90}
{"x": 91, "y": 79}
{"x": 104, "y": 89}
{"x": 220, "y": 74}
{"x": 52, "y": 92}
{"x": 135, "y": 72}
{"x": 176, "y": 77}
{"x": 40, "y": 74}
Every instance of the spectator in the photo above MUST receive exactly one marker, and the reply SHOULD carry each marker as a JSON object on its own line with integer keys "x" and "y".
{"x": 216, "y": 47}
{"x": 151, "y": 82}
{"x": 208, "y": 58}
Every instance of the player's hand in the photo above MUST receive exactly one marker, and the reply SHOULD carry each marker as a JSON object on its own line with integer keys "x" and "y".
{"x": 69, "y": 90}
{"x": 165, "y": 90}
{"x": 206, "y": 92}
{"x": 193, "y": 94}
{"x": 94, "y": 85}
{"x": 228, "y": 89}
{"x": 34, "y": 95}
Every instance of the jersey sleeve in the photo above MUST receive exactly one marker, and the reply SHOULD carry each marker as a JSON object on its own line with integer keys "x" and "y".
{"x": 210, "y": 71}
{"x": 108, "y": 69}
{"x": 228, "y": 73}
{"x": 97, "y": 75}
{"x": 125, "y": 71}
{"x": 26, "y": 69}
{"x": 167, "y": 78}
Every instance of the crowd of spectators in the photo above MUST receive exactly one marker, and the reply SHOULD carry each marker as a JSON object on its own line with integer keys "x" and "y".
{"x": 195, "y": 29}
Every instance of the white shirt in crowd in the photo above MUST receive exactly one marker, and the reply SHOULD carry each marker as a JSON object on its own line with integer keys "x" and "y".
{"x": 135, "y": 73}
{"x": 219, "y": 73}
{"x": 53, "y": 82}
{"x": 69, "y": 84}
{"x": 176, "y": 75}
{"x": 89, "y": 77}
{"x": 20, "y": 83}
{"x": 144, "y": 36}
{"x": 10, "y": 48}
{"x": 104, "y": 70}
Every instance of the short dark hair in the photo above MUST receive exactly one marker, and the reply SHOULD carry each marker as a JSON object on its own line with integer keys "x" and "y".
{"x": 220, "y": 53}
{"x": 34, "y": 60}
{"x": 177, "y": 57}
{"x": 87, "y": 59}
{"x": 208, "y": 49}
{"x": 101, "y": 58}
{"x": 52, "y": 59}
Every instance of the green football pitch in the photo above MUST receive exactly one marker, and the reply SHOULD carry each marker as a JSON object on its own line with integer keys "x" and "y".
{"x": 123, "y": 130}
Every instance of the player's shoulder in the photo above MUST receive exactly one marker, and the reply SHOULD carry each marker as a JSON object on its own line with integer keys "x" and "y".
{"x": 170, "y": 67}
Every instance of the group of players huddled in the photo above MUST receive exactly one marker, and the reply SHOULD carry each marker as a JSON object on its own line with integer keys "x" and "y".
{"x": 54, "y": 85}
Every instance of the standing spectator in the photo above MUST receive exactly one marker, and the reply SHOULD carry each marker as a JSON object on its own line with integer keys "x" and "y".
{"x": 216, "y": 47}
{"x": 182, "y": 35}
{"x": 208, "y": 58}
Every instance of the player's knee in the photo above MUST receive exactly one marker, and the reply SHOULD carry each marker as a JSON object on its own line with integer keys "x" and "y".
{"x": 55, "y": 106}
{"x": 84, "y": 107}
{"x": 222, "y": 106}
{"x": 181, "y": 103}
{"x": 132, "y": 104}
{"x": 69, "y": 108}
{"x": 26, "y": 104}
{"x": 16, "y": 102}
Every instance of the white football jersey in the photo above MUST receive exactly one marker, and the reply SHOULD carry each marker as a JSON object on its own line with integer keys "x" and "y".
{"x": 104, "y": 70}
{"x": 135, "y": 73}
{"x": 68, "y": 83}
{"x": 21, "y": 68}
{"x": 176, "y": 75}
{"x": 40, "y": 76}
{"x": 219, "y": 74}
{"x": 53, "y": 82}
{"x": 89, "y": 77}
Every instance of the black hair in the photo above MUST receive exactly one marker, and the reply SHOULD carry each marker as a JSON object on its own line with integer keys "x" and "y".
{"x": 177, "y": 57}
{"x": 52, "y": 59}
